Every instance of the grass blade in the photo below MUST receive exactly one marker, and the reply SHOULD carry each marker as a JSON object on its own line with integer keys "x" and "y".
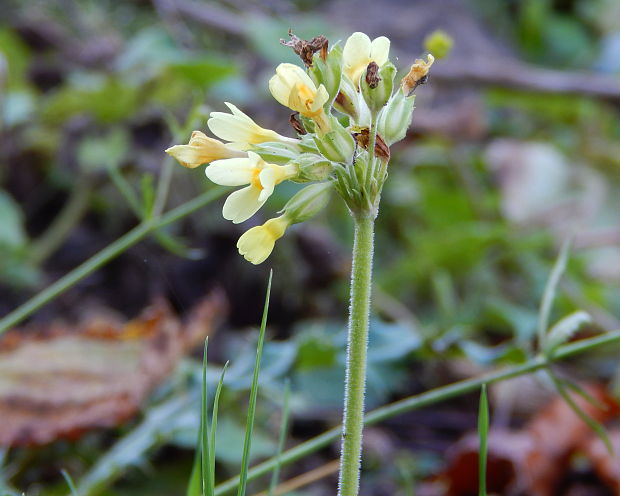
{"x": 194, "y": 487}
{"x": 596, "y": 426}
{"x": 483, "y": 432}
{"x": 549, "y": 294}
{"x": 283, "y": 431}
{"x": 212, "y": 433}
{"x": 69, "y": 481}
{"x": 245, "y": 460}
{"x": 207, "y": 482}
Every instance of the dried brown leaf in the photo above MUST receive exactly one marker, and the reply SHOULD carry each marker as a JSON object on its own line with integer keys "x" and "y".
{"x": 606, "y": 465}
{"x": 59, "y": 382}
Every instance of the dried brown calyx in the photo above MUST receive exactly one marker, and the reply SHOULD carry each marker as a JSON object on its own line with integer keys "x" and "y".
{"x": 307, "y": 48}
{"x": 362, "y": 138}
{"x": 296, "y": 124}
{"x": 372, "y": 75}
{"x": 418, "y": 74}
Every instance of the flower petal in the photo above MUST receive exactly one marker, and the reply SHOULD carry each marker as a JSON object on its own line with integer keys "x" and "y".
{"x": 256, "y": 245}
{"x": 267, "y": 179}
{"x": 320, "y": 98}
{"x": 241, "y": 129}
{"x": 380, "y": 50}
{"x": 235, "y": 111}
{"x": 242, "y": 204}
{"x": 286, "y": 79}
{"x": 279, "y": 89}
{"x": 188, "y": 156}
{"x": 231, "y": 172}
{"x": 356, "y": 50}
{"x": 201, "y": 150}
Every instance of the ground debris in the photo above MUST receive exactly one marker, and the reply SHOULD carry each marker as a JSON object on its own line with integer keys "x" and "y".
{"x": 61, "y": 381}
{"x": 533, "y": 460}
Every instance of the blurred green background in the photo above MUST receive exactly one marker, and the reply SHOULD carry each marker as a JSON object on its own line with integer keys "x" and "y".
{"x": 513, "y": 149}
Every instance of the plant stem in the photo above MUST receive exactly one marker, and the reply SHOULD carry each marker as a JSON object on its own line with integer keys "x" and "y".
{"x": 73, "y": 210}
{"x": 104, "y": 256}
{"x": 357, "y": 345}
{"x": 422, "y": 400}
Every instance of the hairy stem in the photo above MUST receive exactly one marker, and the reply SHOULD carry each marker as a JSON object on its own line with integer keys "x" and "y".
{"x": 357, "y": 345}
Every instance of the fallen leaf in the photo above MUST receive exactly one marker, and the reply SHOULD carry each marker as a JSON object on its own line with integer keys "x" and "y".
{"x": 605, "y": 464}
{"x": 59, "y": 382}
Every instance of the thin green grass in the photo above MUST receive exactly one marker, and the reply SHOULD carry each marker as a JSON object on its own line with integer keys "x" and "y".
{"x": 213, "y": 429}
{"x": 207, "y": 482}
{"x": 595, "y": 426}
{"x": 483, "y": 433}
{"x": 249, "y": 428}
{"x": 202, "y": 479}
{"x": 275, "y": 476}
{"x": 69, "y": 481}
{"x": 549, "y": 294}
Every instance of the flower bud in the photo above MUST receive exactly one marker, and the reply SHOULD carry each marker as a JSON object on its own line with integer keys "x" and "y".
{"x": 312, "y": 167}
{"x": 396, "y": 118}
{"x": 307, "y": 202}
{"x": 338, "y": 144}
{"x": 328, "y": 71}
{"x": 376, "y": 85}
{"x": 439, "y": 43}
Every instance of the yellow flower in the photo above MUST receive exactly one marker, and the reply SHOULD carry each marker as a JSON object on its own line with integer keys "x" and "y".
{"x": 359, "y": 51}
{"x": 201, "y": 150}
{"x": 293, "y": 88}
{"x": 261, "y": 177}
{"x": 241, "y": 129}
{"x": 417, "y": 75}
{"x": 257, "y": 243}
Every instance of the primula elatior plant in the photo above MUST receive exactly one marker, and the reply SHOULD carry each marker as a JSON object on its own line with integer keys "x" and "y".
{"x": 348, "y": 111}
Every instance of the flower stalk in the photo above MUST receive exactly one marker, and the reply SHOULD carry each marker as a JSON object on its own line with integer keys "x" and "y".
{"x": 357, "y": 348}
{"x": 346, "y": 152}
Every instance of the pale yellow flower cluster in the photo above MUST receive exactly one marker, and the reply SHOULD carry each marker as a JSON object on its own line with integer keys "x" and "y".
{"x": 357, "y": 80}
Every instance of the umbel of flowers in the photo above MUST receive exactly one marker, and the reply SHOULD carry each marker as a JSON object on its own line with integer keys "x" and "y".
{"x": 347, "y": 113}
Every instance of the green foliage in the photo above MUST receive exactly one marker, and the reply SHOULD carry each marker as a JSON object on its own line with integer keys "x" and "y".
{"x": 15, "y": 268}
{"x": 483, "y": 433}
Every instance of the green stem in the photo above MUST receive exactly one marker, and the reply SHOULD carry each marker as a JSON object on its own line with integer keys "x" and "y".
{"x": 422, "y": 400}
{"x": 355, "y": 382}
{"x": 163, "y": 187}
{"x": 55, "y": 235}
{"x": 105, "y": 255}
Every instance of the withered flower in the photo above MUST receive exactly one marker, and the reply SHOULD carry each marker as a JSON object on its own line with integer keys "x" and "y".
{"x": 307, "y": 48}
